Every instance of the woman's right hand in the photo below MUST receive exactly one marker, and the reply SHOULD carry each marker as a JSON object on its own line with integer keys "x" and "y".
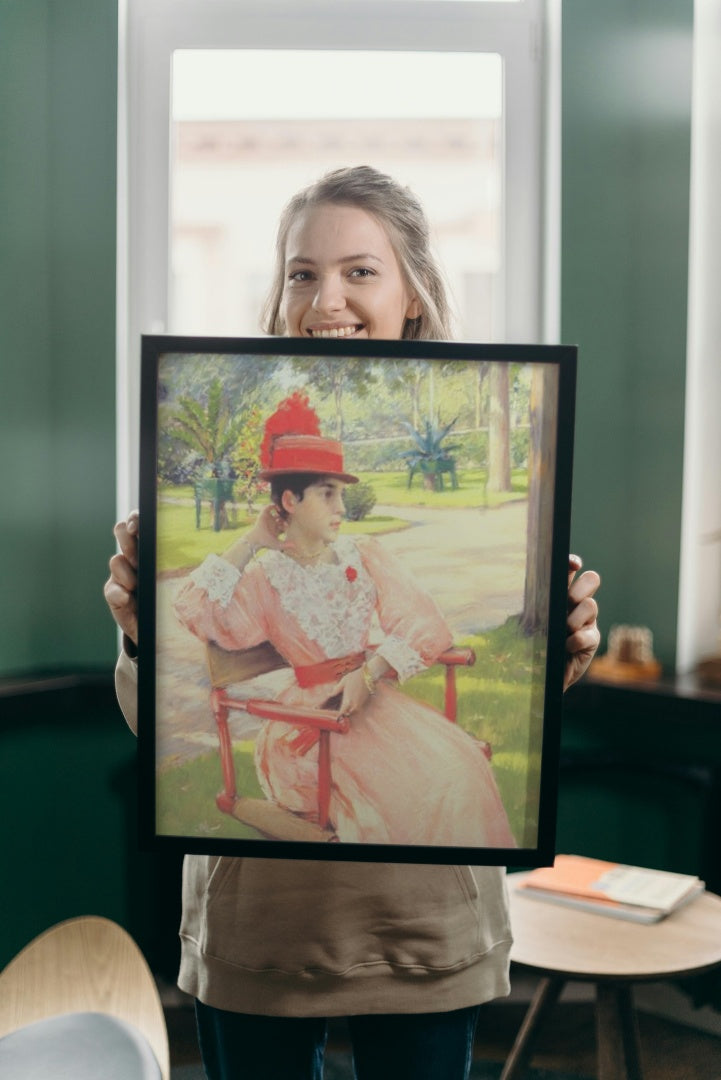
{"x": 121, "y": 587}
{"x": 269, "y": 529}
{"x": 267, "y": 532}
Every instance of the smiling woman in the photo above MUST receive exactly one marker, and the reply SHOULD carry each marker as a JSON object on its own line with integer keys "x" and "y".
{"x": 353, "y": 259}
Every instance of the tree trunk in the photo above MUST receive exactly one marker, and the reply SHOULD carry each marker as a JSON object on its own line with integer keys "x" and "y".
{"x": 481, "y": 368}
{"x": 338, "y": 396}
{"x": 499, "y": 446}
{"x": 416, "y": 395}
{"x": 541, "y": 470}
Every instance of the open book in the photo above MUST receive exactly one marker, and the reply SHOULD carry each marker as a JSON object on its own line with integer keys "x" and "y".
{"x": 607, "y": 888}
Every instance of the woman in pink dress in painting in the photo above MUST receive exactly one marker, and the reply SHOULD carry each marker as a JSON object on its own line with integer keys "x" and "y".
{"x": 402, "y": 774}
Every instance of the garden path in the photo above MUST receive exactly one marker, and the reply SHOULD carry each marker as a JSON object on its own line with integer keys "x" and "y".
{"x": 478, "y": 581}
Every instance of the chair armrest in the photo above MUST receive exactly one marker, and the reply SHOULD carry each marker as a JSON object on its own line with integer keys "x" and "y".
{"x": 322, "y": 719}
{"x": 457, "y": 657}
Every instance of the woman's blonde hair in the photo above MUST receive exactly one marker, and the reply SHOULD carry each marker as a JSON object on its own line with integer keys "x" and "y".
{"x": 403, "y": 217}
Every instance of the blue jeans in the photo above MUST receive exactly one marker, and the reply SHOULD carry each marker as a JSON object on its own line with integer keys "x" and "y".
{"x": 415, "y": 1046}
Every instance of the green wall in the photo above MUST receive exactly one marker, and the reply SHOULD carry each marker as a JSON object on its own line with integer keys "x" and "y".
{"x": 68, "y": 804}
{"x": 58, "y": 73}
{"x": 625, "y": 200}
{"x": 67, "y": 761}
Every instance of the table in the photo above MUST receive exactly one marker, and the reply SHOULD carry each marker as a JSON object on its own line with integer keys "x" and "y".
{"x": 563, "y": 944}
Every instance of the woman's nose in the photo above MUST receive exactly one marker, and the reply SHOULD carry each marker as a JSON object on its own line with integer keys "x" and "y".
{"x": 329, "y": 295}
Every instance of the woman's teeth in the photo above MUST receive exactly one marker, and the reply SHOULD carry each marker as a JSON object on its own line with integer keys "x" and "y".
{"x": 337, "y": 331}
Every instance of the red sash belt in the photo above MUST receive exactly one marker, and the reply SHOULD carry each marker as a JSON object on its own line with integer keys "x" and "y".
{"x": 328, "y": 671}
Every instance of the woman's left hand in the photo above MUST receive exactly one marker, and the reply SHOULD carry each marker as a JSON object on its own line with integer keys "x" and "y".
{"x": 582, "y": 633}
{"x": 354, "y": 690}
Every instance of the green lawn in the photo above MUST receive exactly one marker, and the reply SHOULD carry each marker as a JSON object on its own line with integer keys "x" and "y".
{"x": 392, "y": 489}
{"x": 181, "y": 545}
{"x": 494, "y": 702}
{"x": 187, "y": 794}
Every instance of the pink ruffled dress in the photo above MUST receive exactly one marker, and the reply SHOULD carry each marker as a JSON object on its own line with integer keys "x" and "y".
{"x": 403, "y": 774}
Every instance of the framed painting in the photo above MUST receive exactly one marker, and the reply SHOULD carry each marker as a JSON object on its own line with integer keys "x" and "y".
{"x": 353, "y": 572}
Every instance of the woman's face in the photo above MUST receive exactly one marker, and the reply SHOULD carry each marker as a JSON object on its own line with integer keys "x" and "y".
{"x": 317, "y": 517}
{"x": 342, "y": 277}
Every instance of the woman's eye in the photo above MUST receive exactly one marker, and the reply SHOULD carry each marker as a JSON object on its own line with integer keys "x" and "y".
{"x": 300, "y": 276}
{"x": 362, "y": 272}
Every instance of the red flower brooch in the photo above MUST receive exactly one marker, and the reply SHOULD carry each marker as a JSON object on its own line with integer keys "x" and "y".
{"x": 351, "y": 573}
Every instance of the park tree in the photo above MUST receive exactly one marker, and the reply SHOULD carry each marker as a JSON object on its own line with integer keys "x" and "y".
{"x": 417, "y": 379}
{"x": 334, "y": 378}
{"x": 541, "y": 467}
{"x": 207, "y": 427}
{"x": 245, "y": 458}
{"x": 499, "y": 428}
{"x": 244, "y": 378}
{"x": 479, "y": 376}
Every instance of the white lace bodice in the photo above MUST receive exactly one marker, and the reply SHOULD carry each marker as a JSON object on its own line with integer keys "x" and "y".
{"x": 333, "y": 604}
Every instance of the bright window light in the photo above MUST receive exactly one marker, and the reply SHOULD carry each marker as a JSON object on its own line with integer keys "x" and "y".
{"x": 238, "y": 155}
{"x": 222, "y": 84}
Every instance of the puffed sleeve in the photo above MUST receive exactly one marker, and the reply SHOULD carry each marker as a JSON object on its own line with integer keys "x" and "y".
{"x": 415, "y": 631}
{"x": 219, "y": 603}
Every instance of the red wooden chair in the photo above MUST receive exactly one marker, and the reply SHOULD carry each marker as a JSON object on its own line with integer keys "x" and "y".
{"x": 227, "y": 669}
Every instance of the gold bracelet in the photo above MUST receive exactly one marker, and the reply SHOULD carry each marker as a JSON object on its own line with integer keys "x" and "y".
{"x": 368, "y": 679}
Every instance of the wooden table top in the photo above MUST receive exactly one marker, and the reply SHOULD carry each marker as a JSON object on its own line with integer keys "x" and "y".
{"x": 559, "y": 940}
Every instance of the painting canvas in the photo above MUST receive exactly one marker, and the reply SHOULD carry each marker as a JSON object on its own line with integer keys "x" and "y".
{"x": 394, "y": 693}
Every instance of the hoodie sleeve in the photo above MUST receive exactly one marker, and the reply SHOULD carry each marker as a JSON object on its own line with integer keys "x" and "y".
{"x": 126, "y": 688}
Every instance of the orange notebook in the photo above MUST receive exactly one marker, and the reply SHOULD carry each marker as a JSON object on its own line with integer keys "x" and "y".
{"x": 631, "y": 892}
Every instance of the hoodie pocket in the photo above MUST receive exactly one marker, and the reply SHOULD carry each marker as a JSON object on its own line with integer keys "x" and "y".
{"x": 203, "y": 876}
{"x": 296, "y": 916}
{"x": 469, "y": 885}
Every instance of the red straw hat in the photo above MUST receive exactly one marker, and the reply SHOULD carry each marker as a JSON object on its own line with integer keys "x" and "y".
{"x": 293, "y": 443}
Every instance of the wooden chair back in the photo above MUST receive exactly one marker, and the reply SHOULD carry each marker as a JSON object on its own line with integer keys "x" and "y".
{"x": 87, "y": 964}
{"x": 226, "y": 667}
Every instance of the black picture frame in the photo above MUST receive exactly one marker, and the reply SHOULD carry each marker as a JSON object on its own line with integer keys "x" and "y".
{"x": 495, "y": 563}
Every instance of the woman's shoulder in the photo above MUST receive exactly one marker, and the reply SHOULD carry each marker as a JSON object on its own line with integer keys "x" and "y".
{"x": 370, "y": 553}
{"x": 368, "y": 547}
{"x": 355, "y": 548}
{"x": 345, "y": 546}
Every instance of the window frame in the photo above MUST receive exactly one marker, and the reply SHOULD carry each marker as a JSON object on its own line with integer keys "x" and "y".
{"x": 524, "y": 33}
{"x": 699, "y": 595}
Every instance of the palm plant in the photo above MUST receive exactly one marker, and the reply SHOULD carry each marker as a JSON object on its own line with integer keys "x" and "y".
{"x": 429, "y": 454}
{"x": 208, "y": 429}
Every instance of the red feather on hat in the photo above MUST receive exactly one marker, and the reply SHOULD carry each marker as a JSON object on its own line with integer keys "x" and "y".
{"x": 294, "y": 416}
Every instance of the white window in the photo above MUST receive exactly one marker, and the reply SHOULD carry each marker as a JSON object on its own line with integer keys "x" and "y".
{"x": 227, "y": 107}
{"x": 699, "y": 624}
{"x": 236, "y": 159}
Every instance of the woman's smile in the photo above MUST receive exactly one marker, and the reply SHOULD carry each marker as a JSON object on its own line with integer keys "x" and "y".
{"x": 335, "y": 331}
